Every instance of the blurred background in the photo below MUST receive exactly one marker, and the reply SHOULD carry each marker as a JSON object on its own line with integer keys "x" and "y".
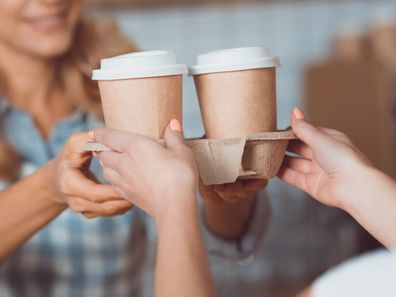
{"x": 339, "y": 65}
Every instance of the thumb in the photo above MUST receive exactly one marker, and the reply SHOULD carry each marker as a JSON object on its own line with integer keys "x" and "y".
{"x": 173, "y": 137}
{"x": 308, "y": 133}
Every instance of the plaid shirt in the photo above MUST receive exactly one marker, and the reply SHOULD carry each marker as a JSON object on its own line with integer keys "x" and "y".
{"x": 73, "y": 256}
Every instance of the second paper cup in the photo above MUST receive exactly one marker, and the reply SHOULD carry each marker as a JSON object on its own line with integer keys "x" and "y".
{"x": 237, "y": 91}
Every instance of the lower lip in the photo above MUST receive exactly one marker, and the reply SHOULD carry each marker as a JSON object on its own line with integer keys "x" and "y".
{"x": 48, "y": 25}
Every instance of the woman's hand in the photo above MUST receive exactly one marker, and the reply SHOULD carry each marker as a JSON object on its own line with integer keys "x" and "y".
{"x": 333, "y": 171}
{"x": 328, "y": 166}
{"x": 228, "y": 208}
{"x": 162, "y": 179}
{"x": 72, "y": 183}
{"x": 153, "y": 176}
{"x": 239, "y": 191}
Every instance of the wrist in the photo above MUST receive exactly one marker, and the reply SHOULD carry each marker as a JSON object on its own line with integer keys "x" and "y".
{"x": 44, "y": 180}
{"x": 183, "y": 206}
{"x": 364, "y": 180}
{"x": 229, "y": 220}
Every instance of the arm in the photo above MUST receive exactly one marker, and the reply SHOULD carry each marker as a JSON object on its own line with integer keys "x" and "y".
{"x": 333, "y": 171}
{"x": 182, "y": 264}
{"x": 162, "y": 181}
{"x": 36, "y": 200}
{"x": 228, "y": 208}
{"x": 374, "y": 205}
{"x": 22, "y": 214}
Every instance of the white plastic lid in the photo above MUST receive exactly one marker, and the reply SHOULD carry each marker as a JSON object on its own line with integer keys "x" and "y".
{"x": 234, "y": 59}
{"x": 139, "y": 65}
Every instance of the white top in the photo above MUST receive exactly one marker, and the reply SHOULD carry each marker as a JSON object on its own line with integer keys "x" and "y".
{"x": 234, "y": 59}
{"x": 139, "y": 65}
{"x": 372, "y": 274}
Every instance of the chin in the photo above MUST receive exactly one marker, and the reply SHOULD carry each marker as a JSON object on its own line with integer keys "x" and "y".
{"x": 53, "y": 48}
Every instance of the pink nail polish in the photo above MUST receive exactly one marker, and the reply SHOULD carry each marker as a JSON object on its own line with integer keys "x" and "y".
{"x": 91, "y": 134}
{"x": 298, "y": 114}
{"x": 175, "y": 126}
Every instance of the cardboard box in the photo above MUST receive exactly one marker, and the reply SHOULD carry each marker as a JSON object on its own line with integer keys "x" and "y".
{"x": 223, "y": 161}
{"x": 357, "y": 99}
{"x": 350, "y": 47}
{"x": 382, "y": 40}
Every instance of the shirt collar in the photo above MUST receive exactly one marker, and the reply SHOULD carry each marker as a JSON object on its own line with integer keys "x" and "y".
{"x": 6, "y": 106}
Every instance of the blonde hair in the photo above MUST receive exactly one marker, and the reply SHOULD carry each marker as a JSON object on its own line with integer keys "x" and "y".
{"x": 93, "y": 40}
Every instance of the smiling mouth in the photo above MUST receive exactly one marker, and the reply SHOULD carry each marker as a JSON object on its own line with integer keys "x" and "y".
{"x": 48, "y": 23}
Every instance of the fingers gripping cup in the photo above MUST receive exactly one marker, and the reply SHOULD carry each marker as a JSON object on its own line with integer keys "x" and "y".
{"x": 237, "y": 95}
{"x": 141, "y": 92}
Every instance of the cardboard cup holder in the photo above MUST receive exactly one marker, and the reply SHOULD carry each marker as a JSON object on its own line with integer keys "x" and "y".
{"x": 236, "y": 89}
{"x": 221, "y": 161}
{"x": 256, "y": 156}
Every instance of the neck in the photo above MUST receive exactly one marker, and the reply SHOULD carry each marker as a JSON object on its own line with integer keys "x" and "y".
{"x": 28, "y": 80}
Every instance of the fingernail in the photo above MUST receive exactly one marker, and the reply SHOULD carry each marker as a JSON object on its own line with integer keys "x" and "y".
{"x": 91, "y": 134}
{"x": 175, "y": 126}
{"x": 298, "y": 114}
{"x": 95, "y": 154}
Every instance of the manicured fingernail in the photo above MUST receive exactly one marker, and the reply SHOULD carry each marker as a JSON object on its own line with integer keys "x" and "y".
{"x": 91, "y": 134}
{"x": 175, "y": 126}
{"x": 95, "y": 154}
{"x": 298, "y": 114}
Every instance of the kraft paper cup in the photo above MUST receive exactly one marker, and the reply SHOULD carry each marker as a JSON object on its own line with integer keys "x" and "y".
{"x": 141, "y": 92}
{"x": 237, "y": 91}
{"x": 237, "y": 95}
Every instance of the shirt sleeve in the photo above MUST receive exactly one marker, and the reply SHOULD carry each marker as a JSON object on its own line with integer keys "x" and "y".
{"x": 248, "y": 244}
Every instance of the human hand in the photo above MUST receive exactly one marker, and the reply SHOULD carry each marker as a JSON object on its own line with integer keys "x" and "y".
{"x": 232, "y": 193}
{"x": 153, "y": 176}
{"x": 328, "y": 167}
{"x": 72, "y": 183}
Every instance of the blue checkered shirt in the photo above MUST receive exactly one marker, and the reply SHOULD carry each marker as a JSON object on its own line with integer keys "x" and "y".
{"x": 76, "y": 257}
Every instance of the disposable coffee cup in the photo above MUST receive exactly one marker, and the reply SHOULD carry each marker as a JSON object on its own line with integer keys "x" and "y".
{"x": 237, "y": 95}
{"x": 237, "y": 91}
{"x": 141, "y": 92}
